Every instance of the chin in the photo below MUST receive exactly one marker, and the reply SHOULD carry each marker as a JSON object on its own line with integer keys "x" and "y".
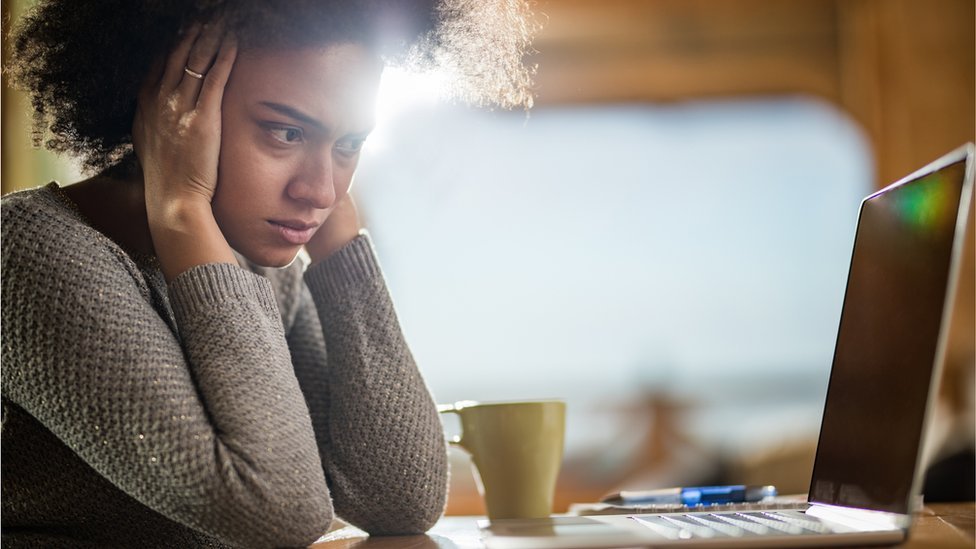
{"x": 276, "y": 259}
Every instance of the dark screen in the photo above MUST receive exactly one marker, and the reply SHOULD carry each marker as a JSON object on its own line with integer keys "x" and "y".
{"x": 886, "y": 344}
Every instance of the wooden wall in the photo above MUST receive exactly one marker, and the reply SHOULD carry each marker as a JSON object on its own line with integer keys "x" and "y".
{"x": 903, "y": 69}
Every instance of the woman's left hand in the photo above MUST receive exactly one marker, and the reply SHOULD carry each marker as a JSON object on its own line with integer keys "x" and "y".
{"x": 176, "y": 136}
{"x": 176, "y": 130}
{"x": 339, "y": 229}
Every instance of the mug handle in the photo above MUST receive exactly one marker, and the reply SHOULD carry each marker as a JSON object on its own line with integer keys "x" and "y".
{"x": 450, "y": 409}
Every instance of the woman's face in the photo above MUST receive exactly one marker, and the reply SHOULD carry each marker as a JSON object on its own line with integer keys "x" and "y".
{"x": 293, "y": 124}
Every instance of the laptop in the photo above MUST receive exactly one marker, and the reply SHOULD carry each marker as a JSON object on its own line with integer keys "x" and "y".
{"x": 891, "y": 342}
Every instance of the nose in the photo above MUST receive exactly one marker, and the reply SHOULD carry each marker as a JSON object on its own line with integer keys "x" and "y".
{"x": 314, "y": 182}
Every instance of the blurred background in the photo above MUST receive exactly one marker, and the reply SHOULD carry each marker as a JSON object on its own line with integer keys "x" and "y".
{"x": 663, "y": 240}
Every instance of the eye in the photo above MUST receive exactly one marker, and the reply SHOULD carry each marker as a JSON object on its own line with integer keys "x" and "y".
{"x": 350, "y": 146}
{"x": 287, "y": 134}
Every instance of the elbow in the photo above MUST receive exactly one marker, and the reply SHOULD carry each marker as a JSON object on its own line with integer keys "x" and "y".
{"x": 303, "y": 535}
{"x": 425, "y": 522}
{"x": 255, "y": 510}
{"x": 302, "y": 529}
{"x": 413, "y": 512}
{"x": 298, "y": 524}
{"x": 403, "y": 500}
{"x": 430, "y": 512}
{"x": 403, "y": 525}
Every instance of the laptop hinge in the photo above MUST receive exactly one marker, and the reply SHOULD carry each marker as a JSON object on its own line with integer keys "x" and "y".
{"x": 861, "y": 519}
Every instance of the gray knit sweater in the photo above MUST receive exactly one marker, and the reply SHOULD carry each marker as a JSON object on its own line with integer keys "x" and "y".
{"x": 205, "y": 412}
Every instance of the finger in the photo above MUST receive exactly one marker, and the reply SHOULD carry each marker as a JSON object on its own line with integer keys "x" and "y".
{"x": 198, "y": 62}
{"x": 212, "y": 93}
{"x": 177, "y": 60}
{"x": 205, "y": 48}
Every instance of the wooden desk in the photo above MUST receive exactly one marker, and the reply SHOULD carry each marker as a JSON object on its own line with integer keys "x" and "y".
{"x": 938, "y": 526}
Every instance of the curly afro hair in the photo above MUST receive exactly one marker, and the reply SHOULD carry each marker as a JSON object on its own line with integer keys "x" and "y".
{"x": 82, "y": 63}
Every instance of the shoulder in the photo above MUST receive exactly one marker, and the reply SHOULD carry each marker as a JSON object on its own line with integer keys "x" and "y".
{"x": 44, "y": 238}
{"x": 39, "y": 212}
{"x": 20, "y": 208}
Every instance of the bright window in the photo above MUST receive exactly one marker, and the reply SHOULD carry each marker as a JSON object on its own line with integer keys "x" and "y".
{"x": 600, "y": 253}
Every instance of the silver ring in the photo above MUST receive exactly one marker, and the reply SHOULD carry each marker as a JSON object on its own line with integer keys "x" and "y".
{"x": 193, "y": 73}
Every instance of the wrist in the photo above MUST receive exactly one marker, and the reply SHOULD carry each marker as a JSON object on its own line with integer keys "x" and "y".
{"x": 339, "y": 229}
{"x": 320, "y": 249}
{"x": 177, "y": 213}
{"x": 185, "y": 234}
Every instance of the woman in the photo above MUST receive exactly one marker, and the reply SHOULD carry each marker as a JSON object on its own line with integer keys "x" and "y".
{"x": 171, "y": 375}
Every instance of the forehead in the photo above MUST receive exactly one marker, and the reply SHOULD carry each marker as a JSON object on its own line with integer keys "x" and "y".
{"x": 339, "y": 80}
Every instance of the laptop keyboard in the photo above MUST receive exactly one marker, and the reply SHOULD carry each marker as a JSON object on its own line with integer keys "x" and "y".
{"x": 732, "y": 524}
{"x": 658, "y": 508}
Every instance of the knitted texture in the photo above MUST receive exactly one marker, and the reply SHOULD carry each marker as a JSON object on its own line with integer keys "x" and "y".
{"x": 207, "y": 412}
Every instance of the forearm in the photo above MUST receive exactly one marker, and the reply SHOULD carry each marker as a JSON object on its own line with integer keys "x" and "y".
{"x": 263, "y": 449}
{"x": 382, "y": 443}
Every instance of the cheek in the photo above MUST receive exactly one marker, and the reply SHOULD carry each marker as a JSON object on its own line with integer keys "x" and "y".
{"x": 240, "y": 161}
{"x": 250, "y": 182}
{"x": 245, "y": 170}
{"x": 233, "y": 153}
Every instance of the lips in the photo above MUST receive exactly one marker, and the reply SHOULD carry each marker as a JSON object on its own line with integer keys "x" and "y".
{"x": 294, "y": 231}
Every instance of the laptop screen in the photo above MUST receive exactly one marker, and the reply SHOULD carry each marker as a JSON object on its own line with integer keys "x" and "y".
{"x": 887, "y": 343}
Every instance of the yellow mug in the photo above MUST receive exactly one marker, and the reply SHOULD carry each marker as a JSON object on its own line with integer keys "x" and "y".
{"x": 517, "y": 449}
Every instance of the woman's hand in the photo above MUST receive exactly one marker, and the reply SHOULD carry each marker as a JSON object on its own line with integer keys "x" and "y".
{"x": 176, "y": 134}
{"x": 339, "y": 229}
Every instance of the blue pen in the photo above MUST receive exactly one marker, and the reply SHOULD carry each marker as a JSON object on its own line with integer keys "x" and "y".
{"x": 697, "y": 495}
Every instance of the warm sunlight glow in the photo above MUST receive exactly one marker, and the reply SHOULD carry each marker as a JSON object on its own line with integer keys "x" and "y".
{"x": 402, "y": 90}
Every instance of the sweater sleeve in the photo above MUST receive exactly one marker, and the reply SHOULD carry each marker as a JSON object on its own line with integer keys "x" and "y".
{"x": 208, "y": 427}
{"x": 379, "y": 434}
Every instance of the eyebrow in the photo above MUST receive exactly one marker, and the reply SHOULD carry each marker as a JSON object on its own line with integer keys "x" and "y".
{"x": 295, "y": 114}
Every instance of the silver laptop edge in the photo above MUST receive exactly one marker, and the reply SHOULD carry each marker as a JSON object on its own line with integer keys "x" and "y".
{"x": 965, "y": 153}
